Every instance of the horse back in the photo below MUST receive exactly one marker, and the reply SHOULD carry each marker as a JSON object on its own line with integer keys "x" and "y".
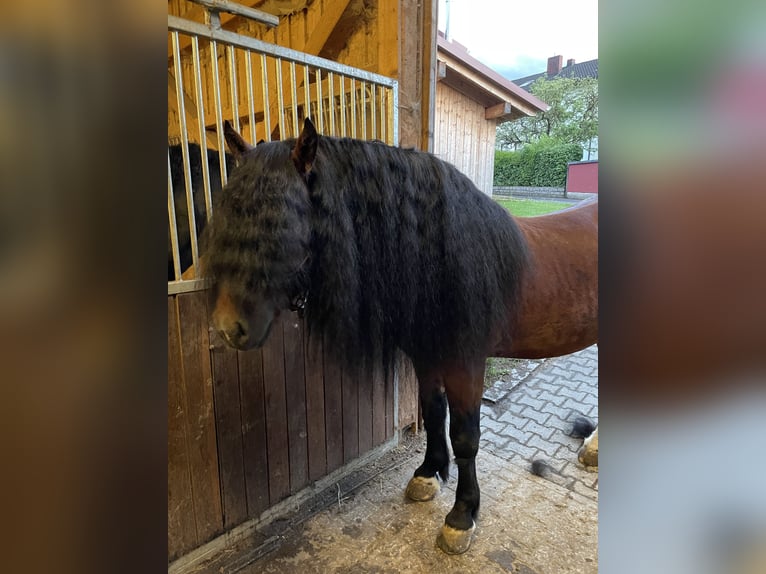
{"x": 557, "y": 310}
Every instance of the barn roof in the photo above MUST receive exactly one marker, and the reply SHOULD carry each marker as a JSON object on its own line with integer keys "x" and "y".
{"x": 502, "y": 99}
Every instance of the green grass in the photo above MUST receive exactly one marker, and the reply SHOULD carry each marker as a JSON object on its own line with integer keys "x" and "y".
{"x": 529, "y": 207}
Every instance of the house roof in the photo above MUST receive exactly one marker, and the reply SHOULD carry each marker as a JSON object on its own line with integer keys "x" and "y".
{"x": 502, "y": 99}
{"x": 587, "y": 69}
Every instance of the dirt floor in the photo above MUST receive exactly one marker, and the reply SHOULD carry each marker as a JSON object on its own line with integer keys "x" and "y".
{"x": 526, "y": 525}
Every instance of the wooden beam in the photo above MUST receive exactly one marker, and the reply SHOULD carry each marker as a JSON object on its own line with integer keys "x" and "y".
{"x": 497, "y": 111}
{"x": 332, "y": 13}
{"x": 189, "y": 105}
{"x": 428, "y": 97}
{"x": 441, "y": 70}
{"x": 388, "y": 37}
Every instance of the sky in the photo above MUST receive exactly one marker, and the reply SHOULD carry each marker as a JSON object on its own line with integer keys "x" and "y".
{"x": 516, "y": 38}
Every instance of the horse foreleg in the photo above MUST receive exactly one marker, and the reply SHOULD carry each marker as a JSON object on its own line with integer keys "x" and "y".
{"x": 464, "y": 388}
{"x": 424, "y": 485}
{"x": 455, "y": 536}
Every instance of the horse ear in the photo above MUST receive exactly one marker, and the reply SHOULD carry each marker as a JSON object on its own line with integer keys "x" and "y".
{"x": 237, "y": 145}
{"x": 305, "y": 149}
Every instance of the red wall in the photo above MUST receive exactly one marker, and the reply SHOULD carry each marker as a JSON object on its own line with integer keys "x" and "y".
{"x": 582, "y": 177}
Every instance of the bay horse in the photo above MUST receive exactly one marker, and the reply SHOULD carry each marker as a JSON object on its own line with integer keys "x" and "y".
{"x": 392, "y": 250}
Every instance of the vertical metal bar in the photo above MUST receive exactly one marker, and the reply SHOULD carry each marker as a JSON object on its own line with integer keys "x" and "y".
{"x": 307, "y": 90}
{"x": 343, "y": 131}
{"x": 294, "y": 95}
{"x": 393, "y": 110}
{"x": 230, "y": 53}
{"x": 320, "y": 117}
{"x": 218, "y": 111}
{"x": 281, "y": 100}
{"x": 172, "y": 224}
{"x": 250, "y": 97}
{"x": 201, "y": 125}
{"x": 331, "y": 101}
{"x": 363, "y": 93}
{"x": 266, "y": 111}
{"x": 185, "y": 149}
{"x": 373, "y": 90}
{"x": 353, "y": 108}
{"x": 383, "y": 92}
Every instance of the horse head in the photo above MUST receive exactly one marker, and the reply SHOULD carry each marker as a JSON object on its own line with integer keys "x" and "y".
{"x": 258, "y": 249}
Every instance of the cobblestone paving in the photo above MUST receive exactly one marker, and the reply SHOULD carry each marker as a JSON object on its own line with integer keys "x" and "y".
{"x": 532, "y": 419}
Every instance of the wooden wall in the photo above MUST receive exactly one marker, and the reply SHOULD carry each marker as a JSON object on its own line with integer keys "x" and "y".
{"x": 248, "y": 429}
{"x": 463, "y": 137}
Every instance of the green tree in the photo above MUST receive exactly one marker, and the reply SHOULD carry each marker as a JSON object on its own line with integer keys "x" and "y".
{"x": 572, "y": 117}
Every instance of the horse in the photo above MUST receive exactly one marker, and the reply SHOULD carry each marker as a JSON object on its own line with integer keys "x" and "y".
{"x": 388, "y": 250}
{"x": 183, "y": 226}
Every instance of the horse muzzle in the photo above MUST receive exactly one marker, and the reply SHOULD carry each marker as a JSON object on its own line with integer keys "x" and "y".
{"x": 242, "y": 337}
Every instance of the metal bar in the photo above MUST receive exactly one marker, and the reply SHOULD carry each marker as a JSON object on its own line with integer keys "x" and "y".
{"x": 307, "y": 89}
{"x": 250, "y": 97}
{"x": 201, "y": 126}
{"x": 383, "y": 93}
{"x": 394, "y": 114}
{"x": 373, "y": 112}
{"x": 363, "y": 93}
{"x": 343, "y": 127}
{"x": 266, "y": 112}
{"x": 353, "y": 108}
{"x": 233, "y": 85}
{"x": 172, "y": 223}
{"x": 331, "y": 101}
{"x": 218, "y": 111}
{"x": 320, "y": 117}
{"x": 294, "y": 95}
{"x": 281, "y": 100}
{"x": 185, "y": 148}
{"x": 239, "y": 10}
{"x": 247, "y": 43}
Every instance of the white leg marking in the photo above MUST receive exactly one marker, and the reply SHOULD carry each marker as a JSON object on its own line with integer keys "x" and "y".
{"x": 588, "y": 454}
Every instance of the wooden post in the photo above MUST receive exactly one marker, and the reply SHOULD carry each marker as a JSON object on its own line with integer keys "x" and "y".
{"x": 417, "y": 71}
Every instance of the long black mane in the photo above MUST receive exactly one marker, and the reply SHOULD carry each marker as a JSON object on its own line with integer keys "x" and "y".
{"x": 404, "y": 251}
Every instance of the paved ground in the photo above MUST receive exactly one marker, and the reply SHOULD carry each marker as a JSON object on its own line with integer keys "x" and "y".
{"x": 531, "y": 418}
{"x": 527, "y": 524}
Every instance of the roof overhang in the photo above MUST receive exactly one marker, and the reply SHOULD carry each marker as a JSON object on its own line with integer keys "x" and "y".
{"x": 502, "y": 99}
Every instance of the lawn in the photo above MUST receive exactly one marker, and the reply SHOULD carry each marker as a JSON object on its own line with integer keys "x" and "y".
{"x": 529, "y": 207}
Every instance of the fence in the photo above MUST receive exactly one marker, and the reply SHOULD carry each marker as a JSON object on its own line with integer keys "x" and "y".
{"x": 529, "y": 192}
{"x": 246, "y": 430}
{"x": 265, "y": 91}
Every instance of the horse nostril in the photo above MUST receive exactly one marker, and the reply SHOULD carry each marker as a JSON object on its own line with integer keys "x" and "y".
{"x": 241, "y": 333}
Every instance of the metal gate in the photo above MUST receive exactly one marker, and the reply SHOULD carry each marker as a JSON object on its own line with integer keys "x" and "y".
{"x": 265, "y": 91}
{"x": 246, "y": 430}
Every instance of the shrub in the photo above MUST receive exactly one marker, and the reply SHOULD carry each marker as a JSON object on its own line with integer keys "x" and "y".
{"x": 542, "y": 164}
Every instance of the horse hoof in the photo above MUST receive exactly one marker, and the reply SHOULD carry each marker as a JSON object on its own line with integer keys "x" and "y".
{"x": 454, "y": 541}
{"x": 421, "y": 488}
{"x": 588, "y": 454}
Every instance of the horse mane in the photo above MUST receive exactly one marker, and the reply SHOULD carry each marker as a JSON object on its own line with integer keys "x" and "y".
{"x": 405, "y": 252}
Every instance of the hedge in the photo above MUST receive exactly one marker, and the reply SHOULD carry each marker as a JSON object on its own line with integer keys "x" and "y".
{"x": 536, "y": 165}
